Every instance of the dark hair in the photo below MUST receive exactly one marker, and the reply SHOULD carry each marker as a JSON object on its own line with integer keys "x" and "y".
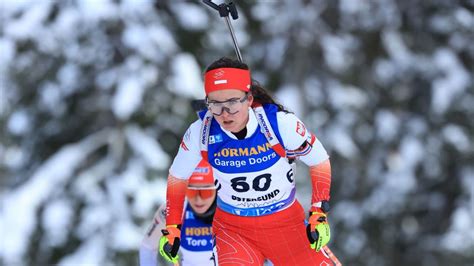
{"x": 260, "y": 94}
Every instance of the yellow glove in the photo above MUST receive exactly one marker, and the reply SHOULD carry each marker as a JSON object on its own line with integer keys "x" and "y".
{"x": 169, "y": 243}
{"x": 318, "y": 230}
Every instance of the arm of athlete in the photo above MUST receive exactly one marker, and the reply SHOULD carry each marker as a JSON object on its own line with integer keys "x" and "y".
{"x": 148, "y": 248}
{"x": 318, "y": 230}
{"x": 184, "y": 163}
{"x": 303, "y": 145}
{"x": 170, "y": 241}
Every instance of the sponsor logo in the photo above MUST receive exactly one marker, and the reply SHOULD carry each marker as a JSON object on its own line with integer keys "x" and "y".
{"x": 219, "y": 74}
{"x": 201, "y": 170}
{"x": 196, "y": 242}
{"x": 215, "y": 139}
{"x": 300, "y": 129}
{"x": 205, "y": 129}
{"x": 230, "y": 163}
{"x": 189, "y": 215}
{"x": 247, "y": 151}
{"x": 261, "y": 198}
{"x": 265, "y": 129}
{"x": 198, "y": 231}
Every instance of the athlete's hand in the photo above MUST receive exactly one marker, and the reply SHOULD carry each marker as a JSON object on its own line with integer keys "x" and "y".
{"x": 169, "y": 243}
{"x": 318, "y": 230}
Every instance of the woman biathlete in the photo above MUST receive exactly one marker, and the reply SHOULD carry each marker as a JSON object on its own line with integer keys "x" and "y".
{"x": 251, "y": 143}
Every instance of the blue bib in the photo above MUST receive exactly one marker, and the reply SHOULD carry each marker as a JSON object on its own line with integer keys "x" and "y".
{"x": 252, "y": 179}
{"x": 195, "y": 234}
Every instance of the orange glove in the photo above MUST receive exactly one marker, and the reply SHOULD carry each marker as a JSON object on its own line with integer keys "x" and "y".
{"x": 169, "y": 243}
{"x": 318, "y": 230}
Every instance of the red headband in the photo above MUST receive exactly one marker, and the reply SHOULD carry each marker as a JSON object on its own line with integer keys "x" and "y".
{"x": 227, "y": 78}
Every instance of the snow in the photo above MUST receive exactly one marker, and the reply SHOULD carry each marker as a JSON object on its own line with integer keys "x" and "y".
{"x": 106, "y": 79}
{"x": 219, "y": 36}
{"x": 22, "y": 204}
{"x": 68, "y": 77}
{"x": 136, "y": 8}
{"x": 128, "y": 97}
{"x": 396, "y": 48}
{"x": 147, "y": 147}
{"x": 86, "y": 186}
{"x": 453, "y": 81}
{"x": 355, "y": 243}
{"x": 163, "y": 38}
{"x": 146, "y": 40}
{"x": 347, "y": 212}
{"x": 291, "y": 96}
{"x": 461, "y": 233}
{"x": 341, "y": 141}
{"x": 50, "y": 97}
{"x": 68, "y": 19}
{"x": 57, "y": 219}
{"x": 314, "y": 91}
{"x": 127, "y": 237}
{"x": 93, "y": 218}
{"x": 412, "y": 151}
{"x": 410, "y": 226}
{"x": 278, "y": 48}
{"x": 442, "y": 23}
{"x": 94, "y": 10}
{"x": 91, "y": 252}
{"x": 14, "y": 157}
{"x": 350, "y": 6}
{"x": 19, "y": 122}
{"x": 29, "y": 23}
{"x": 9, "y": 7}
{"x": 190, "y": 16}
{"x": 464, "y": 17}
{"x": 456, "y": 136}
{"x": 398, "y": 180}
{"x": 263, "y": 10}
{"x": 344, "y": 96}
{"x": 387, "y": 125}
{"x": 337, "y": 51}
{"x": 148, "y": 196}
{"x": 186, "y": 79}
{"x": 7, "y": 46}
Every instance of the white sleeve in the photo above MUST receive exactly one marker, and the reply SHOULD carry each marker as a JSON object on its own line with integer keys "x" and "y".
{"x": 189, "y": 153}
{"x": 294, "y": 134}
{"x": 149, "y": 244}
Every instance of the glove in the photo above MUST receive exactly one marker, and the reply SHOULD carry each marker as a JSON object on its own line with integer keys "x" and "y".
{"x": 317, "y": 230}
{"x": 169, "y": 243}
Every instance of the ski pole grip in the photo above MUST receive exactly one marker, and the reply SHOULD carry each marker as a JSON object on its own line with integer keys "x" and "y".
{"x": 233, "y": 10}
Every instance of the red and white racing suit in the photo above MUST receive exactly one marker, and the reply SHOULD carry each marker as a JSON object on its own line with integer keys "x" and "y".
{"x": 258, "y": 216}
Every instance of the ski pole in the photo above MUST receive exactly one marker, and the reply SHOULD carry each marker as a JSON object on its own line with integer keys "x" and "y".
{"x": 332, "y": 256}
{"x": 224, "y": 11}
